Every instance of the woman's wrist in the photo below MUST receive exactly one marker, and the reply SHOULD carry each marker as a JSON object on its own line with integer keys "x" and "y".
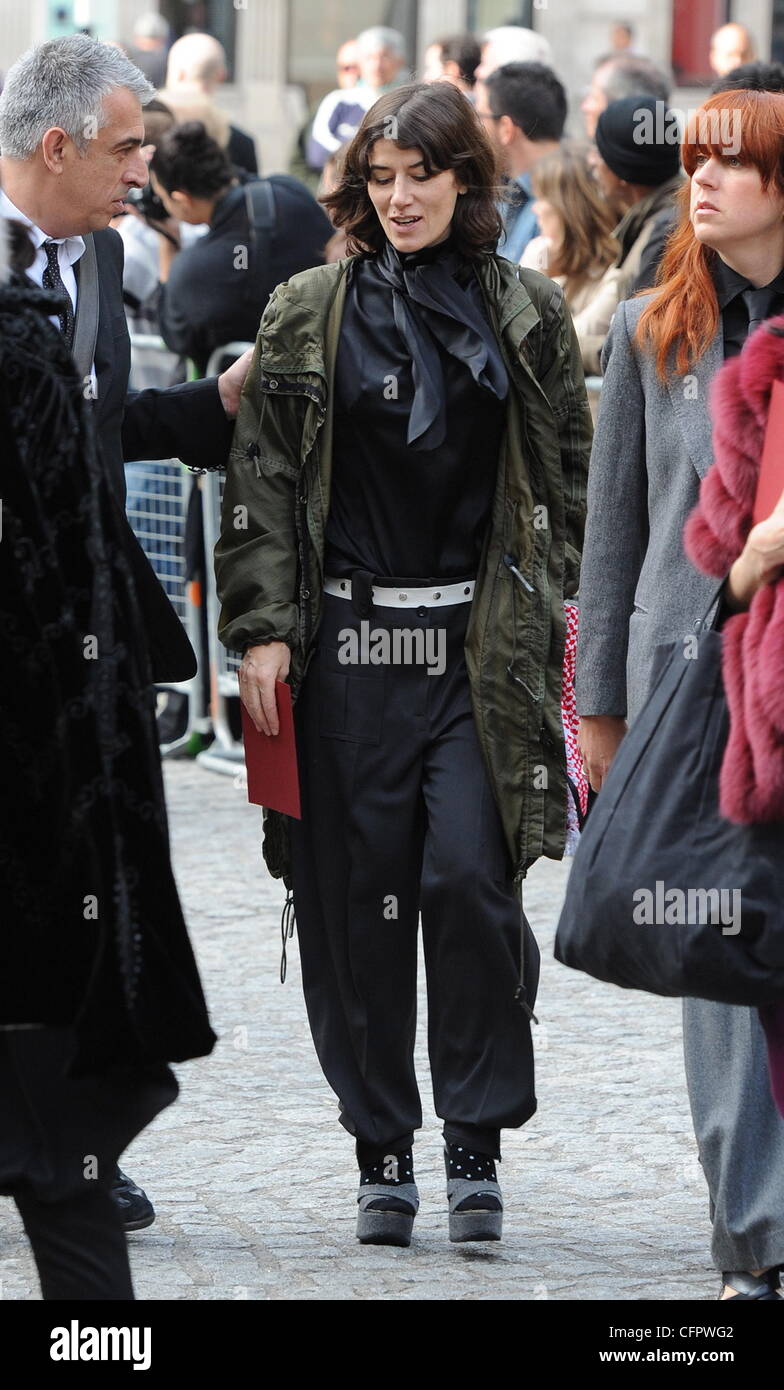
{"x": 741, "y": 585}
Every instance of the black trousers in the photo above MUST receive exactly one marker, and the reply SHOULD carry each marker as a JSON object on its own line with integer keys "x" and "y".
{"x": 398, "y": 818}
{"x": 79, "y": 1246}
{"x": 60, "y": 1137}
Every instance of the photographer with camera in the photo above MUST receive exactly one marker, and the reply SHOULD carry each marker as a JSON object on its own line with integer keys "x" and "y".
{"x": 141, "y": 229}
{"x": 261, "y": 232}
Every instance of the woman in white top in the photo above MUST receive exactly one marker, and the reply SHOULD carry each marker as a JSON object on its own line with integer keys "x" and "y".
{"x": 577, "y": 248}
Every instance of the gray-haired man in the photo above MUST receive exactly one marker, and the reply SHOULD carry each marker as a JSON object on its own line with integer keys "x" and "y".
{"x": 71, "y": 132}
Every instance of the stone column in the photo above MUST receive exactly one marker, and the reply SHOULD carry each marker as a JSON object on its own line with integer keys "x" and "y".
{"x": 22, "y": 26}
{"x": 437, "y": 19}
{"x": 260, "y": 100}
{"x": 757, "y": 15}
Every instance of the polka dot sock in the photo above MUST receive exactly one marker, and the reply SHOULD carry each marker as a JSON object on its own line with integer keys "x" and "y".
{"x": 461, "y": 1161}
{"x": 393, "y": 1170}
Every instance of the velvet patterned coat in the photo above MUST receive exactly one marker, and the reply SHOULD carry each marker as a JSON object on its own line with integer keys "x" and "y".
{"x": 92, "y": 934}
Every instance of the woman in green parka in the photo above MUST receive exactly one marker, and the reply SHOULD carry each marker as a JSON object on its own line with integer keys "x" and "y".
{"x": 402, "y": 521}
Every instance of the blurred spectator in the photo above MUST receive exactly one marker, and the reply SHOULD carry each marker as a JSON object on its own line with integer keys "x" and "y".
{"x": 141, "y": 232}
{"x": 512, "y": 43}
{"x": 641, "y": 179}
{"x": 382, "y": 57}
{"x": 523, "y": 109}
{"x": 260, "y": 233}
{"x": 347, "y": 64}
{"x": 577, "y": 247}
{"x": 140, "y": 240}
{"x": 347, "y": 75}
{"x": 752, "y": 77}
{"x": 621, "y": 39}
{"x": 191, "y": 104}
{"x": 730, "y": 46}
{"x": 148, "y": 47}
{"x": 197, "y": 63}
{"x": 454, "y": 60}
{"x": 337, "y": 246}
{"x": 616, "y": 77}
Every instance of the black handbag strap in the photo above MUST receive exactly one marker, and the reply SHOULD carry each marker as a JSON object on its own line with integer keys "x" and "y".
{"x": 715, "y": 602}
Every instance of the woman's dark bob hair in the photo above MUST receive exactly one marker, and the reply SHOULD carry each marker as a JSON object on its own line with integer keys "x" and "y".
{"x": 439, "y": 120}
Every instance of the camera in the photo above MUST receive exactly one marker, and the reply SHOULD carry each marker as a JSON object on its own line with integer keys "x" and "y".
{"x": 146, "y": 201}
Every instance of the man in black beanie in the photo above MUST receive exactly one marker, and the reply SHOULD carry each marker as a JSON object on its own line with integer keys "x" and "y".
{"x": 637, "y": 166}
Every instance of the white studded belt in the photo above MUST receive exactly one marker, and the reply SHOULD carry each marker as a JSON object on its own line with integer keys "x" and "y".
{"x": 432, "y": 596}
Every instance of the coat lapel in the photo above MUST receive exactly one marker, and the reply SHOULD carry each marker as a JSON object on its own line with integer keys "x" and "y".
{"x": 690, "y": 397}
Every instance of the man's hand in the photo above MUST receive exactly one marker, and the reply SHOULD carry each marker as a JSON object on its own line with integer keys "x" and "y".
{"x": 231, "y": 382}
{"x": 598, "y": 740}
{"x": 761, "y": 560}
{"x": 261, "y": 667}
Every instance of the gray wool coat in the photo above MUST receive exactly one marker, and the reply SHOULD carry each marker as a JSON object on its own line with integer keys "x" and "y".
{"x": 651, "y": 448}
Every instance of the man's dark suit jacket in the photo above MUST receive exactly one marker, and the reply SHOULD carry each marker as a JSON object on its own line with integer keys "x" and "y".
{"x": 186, "y": 422}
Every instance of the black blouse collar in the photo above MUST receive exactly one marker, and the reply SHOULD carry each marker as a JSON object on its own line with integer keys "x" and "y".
{"x": 431, "y": 307}
{"x": 445, "y": 250}
{"x": 729, "y": 283}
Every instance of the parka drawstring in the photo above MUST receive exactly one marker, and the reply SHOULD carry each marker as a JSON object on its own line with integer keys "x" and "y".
{"x": 288, "y": 921}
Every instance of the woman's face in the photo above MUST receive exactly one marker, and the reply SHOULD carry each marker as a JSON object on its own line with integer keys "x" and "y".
{"x": 730, "y": 210}
{"x": 415, "y": 209}
{"x": 179, "y": 204}
{"x": 550, "y": 222}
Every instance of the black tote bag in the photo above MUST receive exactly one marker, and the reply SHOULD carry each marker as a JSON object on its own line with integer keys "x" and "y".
{"x": 665, "y": 895}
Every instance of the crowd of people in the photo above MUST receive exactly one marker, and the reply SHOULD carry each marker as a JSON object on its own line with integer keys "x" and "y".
{"x": 450, "y": 256}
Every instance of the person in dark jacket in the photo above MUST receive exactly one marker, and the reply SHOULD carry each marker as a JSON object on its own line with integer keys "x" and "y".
{"x": 261, "y": 232}
{"x": 71, "y": 131}
{"x": 392, "y": 504}
{"x": 637, "y": 167}
{"x": 99, "y": 990}
{"x": 197, "y": 66}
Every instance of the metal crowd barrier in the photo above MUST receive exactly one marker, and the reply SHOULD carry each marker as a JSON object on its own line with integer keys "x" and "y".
{"x": 226, "y": 753}
{"x": 593, "y": 385}
{"x": 158, "y": 493}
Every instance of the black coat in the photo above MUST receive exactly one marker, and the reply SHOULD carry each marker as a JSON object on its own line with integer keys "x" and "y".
{"x": 92, "y": 933}
{"x": 186, "y": 422}
{"x": 241, "y": 150}
{"x": 208, "y": 301}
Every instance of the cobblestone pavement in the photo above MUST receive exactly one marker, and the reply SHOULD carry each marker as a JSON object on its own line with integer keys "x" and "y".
{"x": 254, "y": 1180}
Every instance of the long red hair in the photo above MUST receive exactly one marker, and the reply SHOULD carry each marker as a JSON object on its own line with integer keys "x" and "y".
{"x": 683, "y": 315}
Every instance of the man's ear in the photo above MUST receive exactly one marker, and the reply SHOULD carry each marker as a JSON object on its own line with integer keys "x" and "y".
{"x": 53, "y": 147}
{"x": 506, "y": 130}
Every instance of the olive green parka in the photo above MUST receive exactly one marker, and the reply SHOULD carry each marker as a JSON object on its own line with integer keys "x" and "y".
{"x": 269, "y": 559}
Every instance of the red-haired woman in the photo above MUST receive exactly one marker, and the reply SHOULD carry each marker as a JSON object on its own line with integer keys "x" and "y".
{"x": 722, "y": 274}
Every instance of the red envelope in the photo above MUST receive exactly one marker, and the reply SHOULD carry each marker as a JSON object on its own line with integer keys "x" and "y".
{"x": 770, "y": 483}
{"x": 273, "y": 780}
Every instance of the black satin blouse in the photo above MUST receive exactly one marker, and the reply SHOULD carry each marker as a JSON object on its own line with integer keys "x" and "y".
{"x": 730, "y": 287}
{"x": 413, "y": 482}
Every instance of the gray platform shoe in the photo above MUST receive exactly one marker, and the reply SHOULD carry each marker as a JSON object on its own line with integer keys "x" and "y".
{"x": 476, "y": 1208}
{"x": 387, "y": 1203}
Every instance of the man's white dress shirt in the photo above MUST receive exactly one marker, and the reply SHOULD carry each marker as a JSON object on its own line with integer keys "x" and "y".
{"x": 69, "y": 249}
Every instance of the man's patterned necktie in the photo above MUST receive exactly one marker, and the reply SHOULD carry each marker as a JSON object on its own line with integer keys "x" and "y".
{"x": 52, "y": 280}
